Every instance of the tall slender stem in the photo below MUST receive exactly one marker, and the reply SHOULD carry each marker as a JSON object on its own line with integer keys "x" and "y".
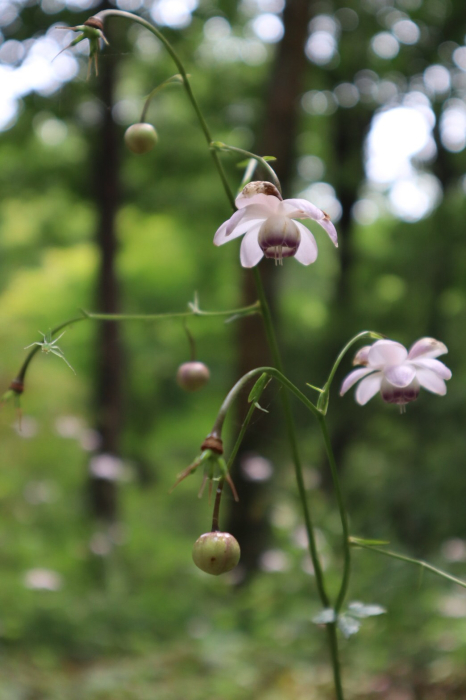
{"x": 270, "y": 333}
{"x": 343, "y": 516}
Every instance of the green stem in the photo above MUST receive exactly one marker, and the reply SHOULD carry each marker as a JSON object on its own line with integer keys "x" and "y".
{"x": 333, "y": 644}
{"x": 176, "y": 59}
{"x": 194, "y": 310}
{"x": 364, "y": 334}
{"x": 324, "y": 397}
{"x": 343, "y": 516}
{"x": 174, "y": 80}
{"x": 224, "y": 147}
{"x": 411, "y": 560}
{"x": 271, "y": 338}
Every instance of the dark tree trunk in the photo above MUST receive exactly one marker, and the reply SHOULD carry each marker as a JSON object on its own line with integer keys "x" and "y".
{"x": 108, "y": 394}
{"x": 248, "y": 519}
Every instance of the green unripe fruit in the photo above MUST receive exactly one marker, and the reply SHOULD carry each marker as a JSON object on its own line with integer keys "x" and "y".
{"x": 141, "y": 138}
{"x": 192, "y": 376}
{"x": 216, "y": 552}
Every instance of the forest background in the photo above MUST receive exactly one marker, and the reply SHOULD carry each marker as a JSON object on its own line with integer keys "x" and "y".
{"x": 362, "y": 103}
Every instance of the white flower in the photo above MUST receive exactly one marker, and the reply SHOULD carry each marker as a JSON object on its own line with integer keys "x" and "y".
{"x": 397, "y": 373}
{"x": 268, "y": 222}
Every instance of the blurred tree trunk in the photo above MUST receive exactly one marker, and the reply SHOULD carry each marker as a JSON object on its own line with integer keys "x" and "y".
{"x": 248, "y": 519}
{"x": 108, "y": 390}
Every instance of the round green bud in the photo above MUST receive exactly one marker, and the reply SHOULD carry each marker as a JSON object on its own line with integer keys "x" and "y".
{"x": 192, "y": 376}
{"x": 216, "y": 553}
{"x": 141, "y": 138}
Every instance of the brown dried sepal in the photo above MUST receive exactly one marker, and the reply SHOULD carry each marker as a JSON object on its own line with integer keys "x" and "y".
{"x": 213, "y": 443}
{"x": 95, "y": 23}
{"x": 260, "y": 187}
{"x": 17, "y": 385}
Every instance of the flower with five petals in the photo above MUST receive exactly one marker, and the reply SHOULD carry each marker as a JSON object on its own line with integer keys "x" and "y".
{"x": 270, "y": 228}
{"x": 398, "y": 374}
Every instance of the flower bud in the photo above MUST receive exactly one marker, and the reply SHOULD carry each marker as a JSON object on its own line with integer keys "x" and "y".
{"x": 141, "y": 138}
{"x": 216, "y": 553}
{"x": 192, "y": 376}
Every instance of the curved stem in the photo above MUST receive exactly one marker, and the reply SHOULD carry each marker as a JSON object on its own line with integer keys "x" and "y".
{"x": 271, "y": 338}
{"x": 194, "y": 310}
{"x": 224, "y": 147}
{"x": 176, "y": 59}
{"x": 174, "y": 80}
{"x": 343, "y": 516}
{"x": 364, "y": 334}
{"x": 411, "y": 560}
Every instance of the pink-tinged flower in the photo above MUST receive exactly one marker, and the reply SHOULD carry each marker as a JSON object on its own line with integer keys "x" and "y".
{"x": 398, "y": 374}
{"x": 269, "y": 227}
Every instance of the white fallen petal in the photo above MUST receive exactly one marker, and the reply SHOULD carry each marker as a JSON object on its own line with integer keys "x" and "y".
{"x": 368, "y": 388}
{"x": 307, "y": 249}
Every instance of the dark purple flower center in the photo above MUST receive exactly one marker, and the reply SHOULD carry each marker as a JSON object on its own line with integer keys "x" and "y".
{"x": 279, "y": 238}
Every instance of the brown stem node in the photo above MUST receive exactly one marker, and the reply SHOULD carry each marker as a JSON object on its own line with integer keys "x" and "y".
{"x": 214, "y": 443}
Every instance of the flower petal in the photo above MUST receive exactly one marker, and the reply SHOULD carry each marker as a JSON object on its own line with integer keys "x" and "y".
{"x": 431, "y": 381}
{"x": 234, "y": 220}
{"x": 266, "y": 200}
{"x": 368, "y": 388}
{"x": 227, "y": 233}
{"x": 302, "y": 209}
{"x": 427, "y": 347}
{"x": 435, "y": 365}
{"x": 361, "y": 357}
{"x": 400, "y": 375}
{"x": 307, "y": 249}
{"x": 251, "y": 252}
{"x": 386, "y": 352}
{"x": 353, "y": 377}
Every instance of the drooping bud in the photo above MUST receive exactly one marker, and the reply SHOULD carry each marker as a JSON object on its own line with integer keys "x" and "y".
{"x": 192, "y": 376}
{"x": 216, "y": 553}
{"x": 141, "y": 138}
{"x": 279, "y": 238}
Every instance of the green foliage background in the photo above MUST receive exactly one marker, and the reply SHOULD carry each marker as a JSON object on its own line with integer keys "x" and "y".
{"x": 141, "y": 622}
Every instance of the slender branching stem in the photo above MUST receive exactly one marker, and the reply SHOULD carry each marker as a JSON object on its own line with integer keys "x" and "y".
{"x": 176, "y": 59}
{"x": 194, "y": 310}
{"x": 410, "y": 560}
{"x": 269, "y": 328}
{"x": 343, "y": 516}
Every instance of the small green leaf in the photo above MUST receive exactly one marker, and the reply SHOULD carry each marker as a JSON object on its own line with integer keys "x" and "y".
{"x": 370, "y": 543}
{"x": 268, "y": 158}
{"x": 348, "y": 625}
{"x": 324, "y": 617}
{"x": 258, "y": 388}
